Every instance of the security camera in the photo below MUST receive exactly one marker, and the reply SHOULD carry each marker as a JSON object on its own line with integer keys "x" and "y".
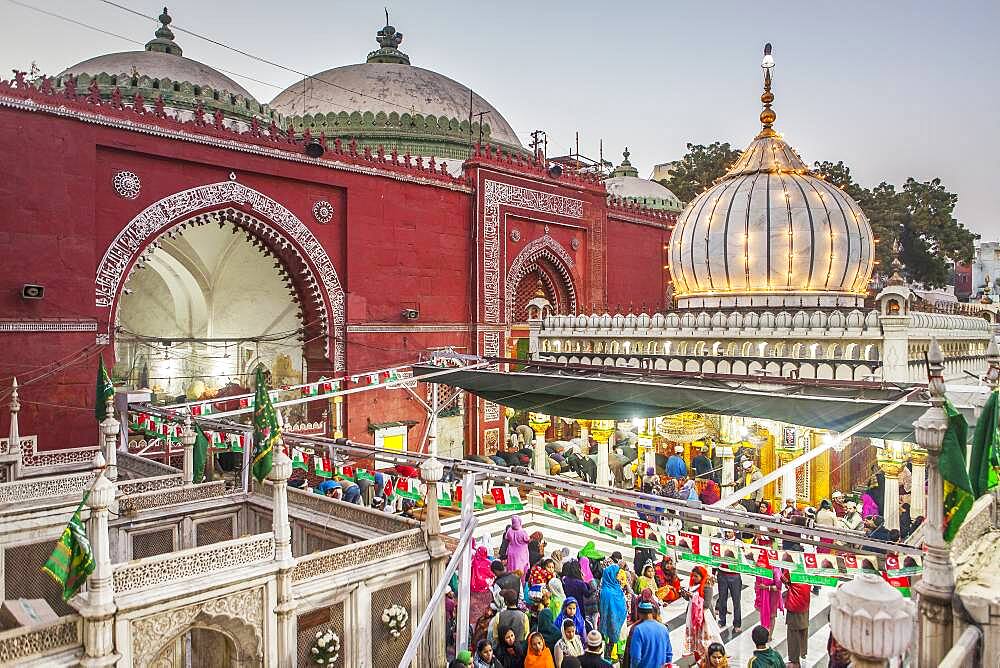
{"x": 411, "y": 313}
{"x": 29, "y": 291}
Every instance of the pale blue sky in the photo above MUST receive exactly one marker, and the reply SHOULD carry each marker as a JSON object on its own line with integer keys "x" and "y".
{"x": 893, "y": 88}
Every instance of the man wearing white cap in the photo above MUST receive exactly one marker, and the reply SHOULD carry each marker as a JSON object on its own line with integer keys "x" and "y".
{"x": 838, "y": 503}
{"x": 852, "y": 518}
{"x": 676, "y": 468}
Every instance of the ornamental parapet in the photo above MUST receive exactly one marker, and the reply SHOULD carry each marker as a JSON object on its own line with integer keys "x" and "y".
{"x": 437, "y": 135}
{"x": 36, "y": 642}
{"x": 52, "y": 487}
{"x": 157, "y": 483}
{"x": 158, "y": 498}
{"x": 176, "y": 94}
{"x": 515, "y": 161}
{"x": 736, "y": 322}
{"x": 203, "y": 125}
{"x": 347, "y": 512}
{"x": 234, "y": 556}
{"x": 356, "y": 555}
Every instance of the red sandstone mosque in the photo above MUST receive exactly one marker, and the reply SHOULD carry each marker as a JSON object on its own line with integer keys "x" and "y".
{"x": 156, "y": 214}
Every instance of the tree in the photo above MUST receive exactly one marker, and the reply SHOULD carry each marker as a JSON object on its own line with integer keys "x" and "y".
{"x": 919, "y": 216}
{"x": 700, "y": 167}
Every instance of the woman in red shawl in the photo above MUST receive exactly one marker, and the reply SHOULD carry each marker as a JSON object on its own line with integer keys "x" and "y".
{"x": 767, "y": 592}
{"x": 696, "y": 636}
{"x": 481, "y": 580}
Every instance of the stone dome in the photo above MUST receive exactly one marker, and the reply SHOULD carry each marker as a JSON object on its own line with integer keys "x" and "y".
{"x": 624, "y": 182}
{"x": 386, "y": 101}
{"x": 162, "y": 69}
{"x": 771, "y": 233}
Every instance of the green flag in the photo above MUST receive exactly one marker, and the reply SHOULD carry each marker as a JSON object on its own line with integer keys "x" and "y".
{"x": 265, "y": 429}
{"x": 200, "y": 453}
{"x": 985, "y": 443}
{"x": 958, "y": 496}
{"x": 105, "y": 391}
{"x": 72, "y": 560}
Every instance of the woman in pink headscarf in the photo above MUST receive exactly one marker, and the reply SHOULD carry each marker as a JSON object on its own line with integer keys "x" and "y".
{"x": 768, "y": 600}
{"x": 481, "y": 580}
{"x": 588, "y": 576}
{"x": 517, "y": 547}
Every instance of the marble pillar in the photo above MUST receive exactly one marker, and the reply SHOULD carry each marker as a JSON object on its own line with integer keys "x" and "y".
{"x": 890, "y": 504}
{"x": 97, "y": 605}
{"x": 918, "y": 493}
{"x": 281, "y": 471}
{"x": 937, "y": 585}
{"x": 14, "y": 437}
{"x": 109, "y": 432}
{"x": 187, "y": 440}
{"x": 431, "y": 473}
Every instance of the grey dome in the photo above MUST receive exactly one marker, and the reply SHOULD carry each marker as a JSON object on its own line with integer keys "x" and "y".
{"x": 389, "y": 87}
{"x": 158, "y": 65}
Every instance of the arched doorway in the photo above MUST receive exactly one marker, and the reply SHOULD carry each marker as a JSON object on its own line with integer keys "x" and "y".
{"x": 206, "y": 643}
{"x": 208, "y": 301}
{"x": 542, "y": 268}
{"x": 270, "y": 227}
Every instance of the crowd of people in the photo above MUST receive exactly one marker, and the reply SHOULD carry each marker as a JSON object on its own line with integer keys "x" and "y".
{"x": 535, "y": 608}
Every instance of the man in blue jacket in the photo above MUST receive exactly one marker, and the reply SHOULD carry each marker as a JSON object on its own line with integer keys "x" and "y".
{"x": 676, "y": 468}
{"x": 648, "y": 644}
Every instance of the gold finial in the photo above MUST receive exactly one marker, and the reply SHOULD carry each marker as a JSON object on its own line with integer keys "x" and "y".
{"x": 767, "y": 116}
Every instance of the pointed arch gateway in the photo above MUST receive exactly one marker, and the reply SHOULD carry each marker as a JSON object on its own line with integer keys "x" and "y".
{"x": 268, "y": 222}
{"x": 545, "y": 263}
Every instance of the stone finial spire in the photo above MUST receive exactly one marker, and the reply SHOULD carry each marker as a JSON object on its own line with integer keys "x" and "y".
{"x": 767, "y": 116}
{"x": 164, "y": 40}
{"x": 626, "y": 168}
{"x": 388, "y": 40}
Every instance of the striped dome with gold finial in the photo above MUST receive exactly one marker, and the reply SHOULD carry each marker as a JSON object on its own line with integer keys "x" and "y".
{"x": 771, "y": 233}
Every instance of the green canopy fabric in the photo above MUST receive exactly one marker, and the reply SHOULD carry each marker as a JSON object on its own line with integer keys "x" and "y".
{"x": 621, "y": 394}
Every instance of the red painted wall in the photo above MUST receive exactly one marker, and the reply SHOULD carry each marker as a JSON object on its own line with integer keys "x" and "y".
{"x": 636, "y": 260}
{"x": 399, "y": 239}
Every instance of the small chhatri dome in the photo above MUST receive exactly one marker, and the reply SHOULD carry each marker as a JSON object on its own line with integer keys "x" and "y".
{"x": 385, "y": 101}
{"x": 625, "y": 183}
{"x": 770, "y": 232}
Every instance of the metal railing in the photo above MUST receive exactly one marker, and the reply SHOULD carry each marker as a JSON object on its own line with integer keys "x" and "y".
{"x": 442, "y": 586}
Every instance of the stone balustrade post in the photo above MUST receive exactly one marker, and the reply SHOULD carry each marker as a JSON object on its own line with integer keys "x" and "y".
{"x": 109, "y": 430}
{"x": 936, "y": 586}
{"x": 431, "y": 473}
{"x": 14, "y": 437}
{"x": 871, "y": 619}
{"x": 97, "y": 606}
{"x": 539, "y": 424}
{"x": 187, "y": 441}
{"x": 281, "y": 471}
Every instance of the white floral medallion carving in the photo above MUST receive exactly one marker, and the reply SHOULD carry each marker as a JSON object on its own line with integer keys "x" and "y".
{"x": 515, "y": 235}
{"x": 323, "y": 211}
{"x": 575, "y": 244}
{"x": 127, "y": 184}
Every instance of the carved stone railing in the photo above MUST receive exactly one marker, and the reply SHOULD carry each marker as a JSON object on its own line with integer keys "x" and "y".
{"x": 977, "y": 523}
{"x": 131, "y": 505}
{"x": 233, "y": 555}
{"x": 143, "y": 467}
{"x": 21, "y": 644}
{"x": 348, "y": 512}
{"x": 354, "y": 555}
{"x": 965, "y": 653}
{"x": 73, "y": 484}
{"x": 142, "y": 485}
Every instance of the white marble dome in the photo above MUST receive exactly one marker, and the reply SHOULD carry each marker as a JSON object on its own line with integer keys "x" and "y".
{"x": 771, "y": 233}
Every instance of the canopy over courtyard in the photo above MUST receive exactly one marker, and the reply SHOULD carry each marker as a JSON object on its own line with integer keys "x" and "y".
{"x": 595, "y": 393}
